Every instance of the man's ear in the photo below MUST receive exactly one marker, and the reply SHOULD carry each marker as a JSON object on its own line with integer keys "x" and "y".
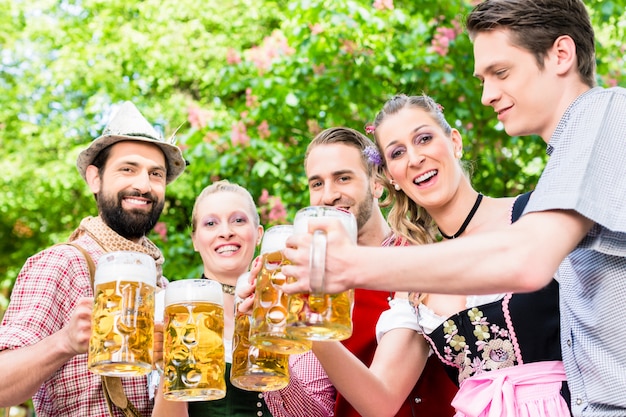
{"x": 564, "y": 50}
{"x": 377, "y": 188}
{"x": 93, "y": 179}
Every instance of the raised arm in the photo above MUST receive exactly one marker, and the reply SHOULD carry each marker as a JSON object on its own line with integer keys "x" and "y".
{"x": 165, "y": 408}
{"x": 310, "y": 392}
{"x": 519, "y": 258}
{"x": 379, "y": 390}
{"x": 19, "y": 382}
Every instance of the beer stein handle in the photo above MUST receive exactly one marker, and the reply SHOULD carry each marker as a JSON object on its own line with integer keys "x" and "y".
{"x": 317, "y": 262}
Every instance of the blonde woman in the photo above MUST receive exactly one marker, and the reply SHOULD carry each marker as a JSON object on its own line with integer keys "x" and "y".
{"x": 225, "y": 230}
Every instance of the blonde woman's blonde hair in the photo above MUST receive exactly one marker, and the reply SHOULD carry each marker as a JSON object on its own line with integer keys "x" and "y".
{"x": 224, "y": 186}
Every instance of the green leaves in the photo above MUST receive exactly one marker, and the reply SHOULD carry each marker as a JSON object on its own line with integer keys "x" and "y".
{"x": 250, "y": 81}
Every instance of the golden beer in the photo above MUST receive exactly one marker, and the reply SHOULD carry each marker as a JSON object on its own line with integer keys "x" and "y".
{"x": 193, "y": 353}
{"x": 268, "y": 329}
{"x": 320, "y": 316}
{"x": 122, "y": 336}
{"x": 255, "y": 369}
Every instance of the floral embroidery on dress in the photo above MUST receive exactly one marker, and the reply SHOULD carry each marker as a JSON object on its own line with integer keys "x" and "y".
{"x": 498, "y": 354}
{"x": 493, "y": 348}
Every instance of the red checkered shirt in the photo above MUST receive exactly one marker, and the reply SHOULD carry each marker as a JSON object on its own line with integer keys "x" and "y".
{"x": 42, "y": 302}
{"x": 309, "y": 393}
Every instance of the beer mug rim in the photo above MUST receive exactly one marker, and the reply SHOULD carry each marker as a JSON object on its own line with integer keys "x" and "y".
{"x": 280, "y": 227}
{"x": 127, "y": 266}
{"x": 283, "y": 231}
{"x": 347, "y": 218}
{"x": 192, "y": 290}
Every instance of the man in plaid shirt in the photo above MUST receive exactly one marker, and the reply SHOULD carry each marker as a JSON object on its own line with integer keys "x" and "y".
{"x": 44, "y": 336}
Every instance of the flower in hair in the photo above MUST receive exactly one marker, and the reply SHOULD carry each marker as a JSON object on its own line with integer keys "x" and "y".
{"x": 440, "y": 107}
{"x": 369, "y": 129}
{"x": 372, "y": 154}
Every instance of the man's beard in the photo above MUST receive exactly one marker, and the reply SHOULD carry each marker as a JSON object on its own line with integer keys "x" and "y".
{"x": 364, "y": 209}
{"x": 130, "y": 224}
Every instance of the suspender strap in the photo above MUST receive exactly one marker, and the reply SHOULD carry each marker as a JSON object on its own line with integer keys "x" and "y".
{"x": 88, "y": 258}
{"x": 112, "y": 386}
{"x": 114, "y": 394}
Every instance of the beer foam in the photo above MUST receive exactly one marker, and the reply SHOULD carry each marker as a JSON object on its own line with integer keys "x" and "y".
{"x": 193, "y": 290}
{"x": 301, "y": 222}
{"x": 275, "y": 237}
{"x": 125, "y": 272}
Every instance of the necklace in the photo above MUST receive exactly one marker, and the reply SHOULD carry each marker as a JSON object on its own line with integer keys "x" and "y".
{"x": 226, "y": 289}
{"x": 467, "y": 219}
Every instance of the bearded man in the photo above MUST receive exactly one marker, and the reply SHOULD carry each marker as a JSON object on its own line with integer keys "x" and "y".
{"x": 45, "y": 332}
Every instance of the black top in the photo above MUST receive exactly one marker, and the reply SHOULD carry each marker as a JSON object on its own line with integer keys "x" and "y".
{"x": 519, "y": 328}
{"x": 236, "y": 403}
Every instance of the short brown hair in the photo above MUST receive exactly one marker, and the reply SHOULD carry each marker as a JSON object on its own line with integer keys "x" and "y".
{"x": 345, "y": 136}
{"x": 536, "y": 24}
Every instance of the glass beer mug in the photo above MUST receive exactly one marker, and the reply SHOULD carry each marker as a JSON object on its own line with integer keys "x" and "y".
{"x": 255, "y": 369}
{"x": 319, "y": 316}
{"x": 268, "y": 329}
{"x": 122, "y": 334}
{"x": 193, "y": 332}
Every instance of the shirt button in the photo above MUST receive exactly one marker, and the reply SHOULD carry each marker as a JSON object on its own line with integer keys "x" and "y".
{"x": 579, "y": 401}
{"x": 569, "y": 342}
{"x": 418, "y": 400}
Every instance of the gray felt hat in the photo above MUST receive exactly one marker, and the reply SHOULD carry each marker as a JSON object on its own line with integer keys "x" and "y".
{"x": 129, "y": 124}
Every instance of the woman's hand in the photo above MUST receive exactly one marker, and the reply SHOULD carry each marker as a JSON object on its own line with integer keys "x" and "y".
{"x": 246, "y": 285}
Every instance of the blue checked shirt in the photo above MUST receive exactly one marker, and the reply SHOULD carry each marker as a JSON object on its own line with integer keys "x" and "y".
{"x": 586, "y": 172}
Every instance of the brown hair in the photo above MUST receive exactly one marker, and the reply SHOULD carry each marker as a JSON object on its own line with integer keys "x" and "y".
{"x": 348, "y": 137}
{"x": 536, "y": 24}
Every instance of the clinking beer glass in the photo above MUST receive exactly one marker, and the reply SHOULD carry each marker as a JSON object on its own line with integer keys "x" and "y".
{"x": 122, "y": 336}
{"x": 268, "y": 329}
{"x": 320, "y": 316}
{"x": 254, "y": 369}
{"x": 193, "y": 351}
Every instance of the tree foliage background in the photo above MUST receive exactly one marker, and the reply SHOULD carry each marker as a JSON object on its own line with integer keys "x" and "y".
{"x": 244, "y": 84}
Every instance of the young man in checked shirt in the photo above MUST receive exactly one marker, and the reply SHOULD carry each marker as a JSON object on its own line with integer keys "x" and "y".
{"x": 46, "y": 329}
{"x": 536, "y": 60}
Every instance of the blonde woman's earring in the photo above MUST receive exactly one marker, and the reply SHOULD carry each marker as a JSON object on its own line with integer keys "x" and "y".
{"x": 396, "y": 186}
